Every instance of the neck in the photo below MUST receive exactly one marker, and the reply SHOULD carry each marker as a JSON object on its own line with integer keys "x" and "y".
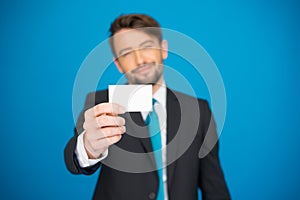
{"x": 157, "y": 85}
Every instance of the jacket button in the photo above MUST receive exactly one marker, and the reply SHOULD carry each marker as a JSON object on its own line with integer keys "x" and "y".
{"x": 151, "y": 195}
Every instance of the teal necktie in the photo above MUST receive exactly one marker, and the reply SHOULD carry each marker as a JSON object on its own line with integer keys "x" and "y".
{"x": 154, "y": 132}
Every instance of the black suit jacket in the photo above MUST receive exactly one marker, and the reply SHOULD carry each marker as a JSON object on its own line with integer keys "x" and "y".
{"x": 189, "y": 120}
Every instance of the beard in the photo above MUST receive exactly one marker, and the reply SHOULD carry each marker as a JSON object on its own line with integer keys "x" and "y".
{"x": 155, "y": 71}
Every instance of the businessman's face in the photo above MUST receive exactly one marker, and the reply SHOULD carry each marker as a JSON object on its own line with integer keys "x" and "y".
{"x": 140, "y": 56}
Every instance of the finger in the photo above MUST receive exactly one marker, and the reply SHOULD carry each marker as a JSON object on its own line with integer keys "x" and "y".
{"x": 108, "y": 108}
{"x": 106, "y": 142}
{"x": 106, "y": 120}
{"x": 91, "y": 124}
{"x": 111, "y": 140}
{"x": 110, "y": 132}
{"x": 104, "y": 108}
{"x": 99, "y": 134}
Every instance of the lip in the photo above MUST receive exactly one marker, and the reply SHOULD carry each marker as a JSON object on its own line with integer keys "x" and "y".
{"x": 143, "y": 70}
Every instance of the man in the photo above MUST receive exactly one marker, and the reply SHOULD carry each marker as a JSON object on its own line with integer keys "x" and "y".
{"x": 104, "y": 128}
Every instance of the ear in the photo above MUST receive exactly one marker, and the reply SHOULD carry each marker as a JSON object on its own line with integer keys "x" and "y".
{"x": 117, "y": 63}
{"x": 164, "y": 48}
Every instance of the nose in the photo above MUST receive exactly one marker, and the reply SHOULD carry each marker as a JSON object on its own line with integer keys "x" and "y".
{"x": 138, "y": 57}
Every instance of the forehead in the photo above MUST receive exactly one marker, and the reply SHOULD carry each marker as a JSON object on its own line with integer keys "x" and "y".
{"x": 131, "y": 38}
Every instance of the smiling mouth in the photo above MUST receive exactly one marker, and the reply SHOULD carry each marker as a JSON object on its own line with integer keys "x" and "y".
{"x": 143, "y": 69}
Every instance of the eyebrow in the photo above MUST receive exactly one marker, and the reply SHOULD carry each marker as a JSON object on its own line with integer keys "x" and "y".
{"x": 145, "y": 42}
{"x": 129, "y": 48}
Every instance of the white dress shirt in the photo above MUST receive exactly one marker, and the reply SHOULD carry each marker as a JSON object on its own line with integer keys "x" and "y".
{"x": 160, "y": 107}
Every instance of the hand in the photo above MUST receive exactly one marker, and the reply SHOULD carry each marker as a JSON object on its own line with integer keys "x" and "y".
{"x": 103, "y": 127}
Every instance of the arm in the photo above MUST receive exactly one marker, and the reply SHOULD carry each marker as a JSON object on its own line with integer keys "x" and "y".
{"x": 98, "y": 127}
{"x": 70, "y": 157}
{"x": 211, "y": 179}
{"x": 82, "y": 155}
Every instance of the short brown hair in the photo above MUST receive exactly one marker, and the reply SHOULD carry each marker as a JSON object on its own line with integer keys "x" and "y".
{"x": 135, "y": 21}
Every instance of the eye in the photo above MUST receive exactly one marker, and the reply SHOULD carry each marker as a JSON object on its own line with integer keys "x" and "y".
{"x": 148, "y": 46}
{"x": 126, "y": 54}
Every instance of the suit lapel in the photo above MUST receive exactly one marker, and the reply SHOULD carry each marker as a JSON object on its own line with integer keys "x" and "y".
{"x": 135, "y": 126}
{"x": 173, "y": 122}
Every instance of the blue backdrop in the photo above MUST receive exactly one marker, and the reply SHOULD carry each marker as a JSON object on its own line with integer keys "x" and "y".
{"x": 255, "y": 45}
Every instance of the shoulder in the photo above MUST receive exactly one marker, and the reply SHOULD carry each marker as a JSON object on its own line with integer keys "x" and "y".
{"x": 187, "y": 99}
{"x": 94, "y": 98}
{"x": 98, "y": 96}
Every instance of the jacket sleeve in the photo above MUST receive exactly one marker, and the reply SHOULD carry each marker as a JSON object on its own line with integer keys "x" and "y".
{"x": 211, "y": 180}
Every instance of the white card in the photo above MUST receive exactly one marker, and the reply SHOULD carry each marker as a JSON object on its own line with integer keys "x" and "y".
{"x": 135, "y": 98}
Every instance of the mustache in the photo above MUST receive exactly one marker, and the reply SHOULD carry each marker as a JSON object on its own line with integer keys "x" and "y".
{"x": 153, "y": 64}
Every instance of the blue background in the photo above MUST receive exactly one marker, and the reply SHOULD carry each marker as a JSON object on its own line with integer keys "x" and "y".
{"x": 255, "y": 45}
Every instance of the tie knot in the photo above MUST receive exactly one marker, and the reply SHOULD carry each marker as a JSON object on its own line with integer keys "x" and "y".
{"x": 153, "y": 101}
{"x": 150, "y": 114}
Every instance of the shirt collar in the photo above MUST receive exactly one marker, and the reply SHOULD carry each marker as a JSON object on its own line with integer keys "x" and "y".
{"x": 161, "y": 94}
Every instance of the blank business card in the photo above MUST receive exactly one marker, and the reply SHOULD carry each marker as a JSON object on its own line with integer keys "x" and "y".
{"x": 135, "y": 98}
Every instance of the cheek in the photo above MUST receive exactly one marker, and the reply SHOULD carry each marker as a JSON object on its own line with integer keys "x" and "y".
{"x": 127, "y": 65}
{"x": 149, "y": 57}
{"x": 160, "y": 56}
{"x": 153, "y": 57}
